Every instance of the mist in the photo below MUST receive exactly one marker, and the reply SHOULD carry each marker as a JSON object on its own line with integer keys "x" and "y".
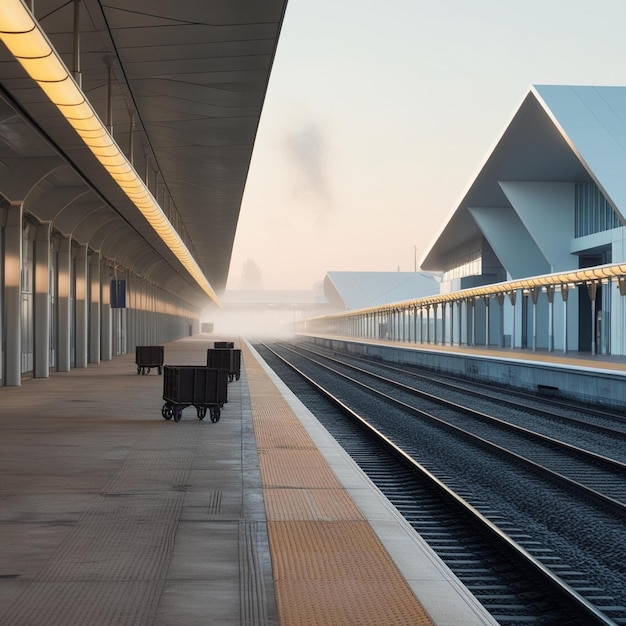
{"x": 306, "y": 150}
{"x": 252, "y": 322}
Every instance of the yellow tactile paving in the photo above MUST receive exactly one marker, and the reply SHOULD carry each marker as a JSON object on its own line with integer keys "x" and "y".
{"x": 356, "y": 603}
{"x": 338, "y": 573}
{"x": 310, "y": 504}
{"x": 296, "y": 468}
{"x": 272, "y": 424}
{"x": 275, "y": 434}
{"x": 329, "y": 566}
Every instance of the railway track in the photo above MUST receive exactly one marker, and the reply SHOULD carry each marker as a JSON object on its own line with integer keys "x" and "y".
{"x": 560, "y": 413}
{"x": 599, "y": 476}
{"x": 534, "y": 526}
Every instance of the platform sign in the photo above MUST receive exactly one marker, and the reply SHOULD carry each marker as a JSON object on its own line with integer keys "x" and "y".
{"x": 118, "y": 294}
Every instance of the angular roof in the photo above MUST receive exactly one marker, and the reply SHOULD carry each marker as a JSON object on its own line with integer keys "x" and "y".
{"x": 559, "y": 133}
{"x": 358, "y": 290}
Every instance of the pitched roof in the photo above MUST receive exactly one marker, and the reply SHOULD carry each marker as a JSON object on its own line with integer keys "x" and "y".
{"x": 559, "y": 133}
{"x": 358, "y": 290}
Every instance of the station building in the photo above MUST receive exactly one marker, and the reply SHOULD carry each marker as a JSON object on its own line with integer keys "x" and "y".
{"x": 346, "y": 291}
{"x": 533, "y": 256}
{"x": 550, "y": 198}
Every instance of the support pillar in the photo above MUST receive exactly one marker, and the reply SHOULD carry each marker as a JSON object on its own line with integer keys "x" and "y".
{"x": 13, "y": 294}
{"x": 94, "y": 308}
{"x": 42, "y": 301}
{"x": 76, "y": 48}
{"x": 550, "y": 293}
{"x": 64, "y": 304}
{"x": 452, "y": 322}
{"x": 421, "y": 325}
{"x": 534, "y": 295}
{"x": 81, "y": 306}
{"x": 512, "y": 298}
{"x": 592, "y": 289}
{"x": 443, "y": 323}
{"x": 106, "y": 317}
{"x": 487, "y": 321}
{"x": 564, "y": 294}
{"x": 500, "y": 299}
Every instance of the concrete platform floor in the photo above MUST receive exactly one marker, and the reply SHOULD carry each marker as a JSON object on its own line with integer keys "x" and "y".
{"x": 111, "y": 515}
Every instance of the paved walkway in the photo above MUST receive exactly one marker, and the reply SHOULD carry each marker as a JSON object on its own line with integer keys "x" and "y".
{"x": 111, "y": 515}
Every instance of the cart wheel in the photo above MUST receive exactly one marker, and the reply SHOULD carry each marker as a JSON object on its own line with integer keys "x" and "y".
{"x": 237, "y": 376}
{"x": 201, "y": 412}
{"x": 166, "y": 411}
{"x": 178, "y": 413}
{"x": 145, "y": 371}
{"x": 138, "y": 370}
{"x": 215, "y": 414}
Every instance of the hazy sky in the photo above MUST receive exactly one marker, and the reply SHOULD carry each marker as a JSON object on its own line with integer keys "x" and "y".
{"x": 379, "y": 115}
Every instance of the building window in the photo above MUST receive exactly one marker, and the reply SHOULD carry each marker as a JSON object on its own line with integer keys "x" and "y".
{"x": 593, "y": 213}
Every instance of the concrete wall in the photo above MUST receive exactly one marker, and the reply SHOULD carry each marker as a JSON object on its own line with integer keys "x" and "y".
{"x": 564, "y": 380}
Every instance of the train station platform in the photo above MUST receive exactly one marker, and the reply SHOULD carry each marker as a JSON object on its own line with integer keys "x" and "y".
{"x": 112, "y": 515}
{"x": 579, "y": 376}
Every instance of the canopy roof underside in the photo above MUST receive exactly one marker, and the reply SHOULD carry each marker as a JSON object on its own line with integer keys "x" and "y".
{"x": 188, "y": 81}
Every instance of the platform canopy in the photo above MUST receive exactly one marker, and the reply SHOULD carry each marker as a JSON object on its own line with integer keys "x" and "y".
{"x": 180, "y": 85}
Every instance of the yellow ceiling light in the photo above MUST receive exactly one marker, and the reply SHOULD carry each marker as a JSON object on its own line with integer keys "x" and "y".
{"x": 29, "y": 45}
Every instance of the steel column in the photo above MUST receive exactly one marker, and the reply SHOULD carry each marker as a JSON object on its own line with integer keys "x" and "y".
{"x": 94, "y": 308}
{"x": 41, "y": 367}
{"x": 13, "y": 294}
{"x": 550, "y": 294}
{"x": 81, "y": 277}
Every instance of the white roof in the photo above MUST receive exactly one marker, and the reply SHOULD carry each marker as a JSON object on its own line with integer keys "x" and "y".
{"x": 358, "y": 290}
{"x": 559, "y": 133}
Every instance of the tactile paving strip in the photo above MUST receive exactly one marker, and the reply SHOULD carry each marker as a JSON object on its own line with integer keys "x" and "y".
{"x": 81, "y": 603}
{"x": 329, "y": 566}
{"x": 310, "y": 504}
{"x": 111, "y": 567}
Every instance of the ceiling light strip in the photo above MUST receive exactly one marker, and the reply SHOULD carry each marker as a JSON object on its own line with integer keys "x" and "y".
{"x": 29, "y": 45}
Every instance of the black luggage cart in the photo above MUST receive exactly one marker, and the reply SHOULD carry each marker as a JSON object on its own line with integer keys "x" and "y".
{"x": 147, "y": 357}
{"x": 205, "y": 388}
{"x": 227, "y": 358}
{"x": 223, "y": 344}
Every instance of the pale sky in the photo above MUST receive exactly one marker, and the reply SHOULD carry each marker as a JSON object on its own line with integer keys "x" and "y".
{"x": 379, "y": 115}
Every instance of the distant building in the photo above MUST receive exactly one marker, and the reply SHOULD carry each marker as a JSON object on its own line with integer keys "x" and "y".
{"x": 260, "y": 311}
{"x": 264, "y": 312}
{"x": 549, "y": 198}
{"x": 348, "y": 291}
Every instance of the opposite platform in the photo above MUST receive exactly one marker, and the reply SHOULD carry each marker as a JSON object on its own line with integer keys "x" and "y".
{"x": 112, "y": 515}
{"x": 582, "y": 377}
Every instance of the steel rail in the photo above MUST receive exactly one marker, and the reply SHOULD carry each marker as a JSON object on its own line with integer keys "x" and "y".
{"x": 437, "y": 381}
{"x": 560, "y": 587}
{"x": 587, "y": 454}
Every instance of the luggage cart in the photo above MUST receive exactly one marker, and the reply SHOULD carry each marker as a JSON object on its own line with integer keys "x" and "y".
{"x": 147, "y": 357}
{"x": 205, "y": 388}
{"x": 223, "y": 344}
{"x": 226, "y": 358}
